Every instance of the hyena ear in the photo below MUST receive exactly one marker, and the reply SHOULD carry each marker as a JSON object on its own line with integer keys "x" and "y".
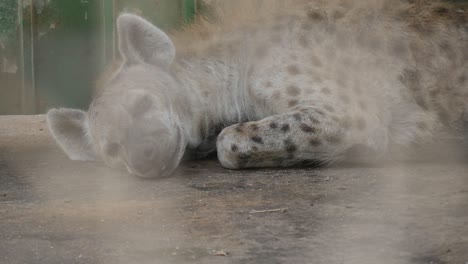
{"x": 140, "y": 41}
{"x": 70, "y": 129}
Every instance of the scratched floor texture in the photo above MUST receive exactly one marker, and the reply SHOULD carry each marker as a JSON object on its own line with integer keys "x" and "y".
{"x": 53, "y": 210}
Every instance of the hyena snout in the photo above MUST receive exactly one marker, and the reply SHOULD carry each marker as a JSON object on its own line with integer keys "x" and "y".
{"x": 155, "y": 156}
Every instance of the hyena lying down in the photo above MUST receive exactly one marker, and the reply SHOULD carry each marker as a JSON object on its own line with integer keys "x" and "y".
{"x": 300, "y": 86}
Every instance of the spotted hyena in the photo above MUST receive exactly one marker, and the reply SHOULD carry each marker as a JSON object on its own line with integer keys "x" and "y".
{"x": 300, "y": 83}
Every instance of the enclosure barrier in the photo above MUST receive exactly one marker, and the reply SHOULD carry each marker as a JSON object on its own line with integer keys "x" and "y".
{"x": 52, "y": 51}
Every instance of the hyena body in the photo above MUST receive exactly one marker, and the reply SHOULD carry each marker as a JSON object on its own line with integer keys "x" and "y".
{"x": 299, "y": 87}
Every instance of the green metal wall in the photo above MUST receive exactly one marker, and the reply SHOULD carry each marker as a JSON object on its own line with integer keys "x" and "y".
{"x": 52, "y": 51}
{"x": 10, "y": 88}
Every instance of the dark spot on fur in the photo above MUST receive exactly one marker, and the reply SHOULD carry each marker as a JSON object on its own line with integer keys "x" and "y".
{"x": 268, "y": 84}
{"x": 254, "y": 127}
{"x": 297, "y": 116}
{"x": 285, "y": 128}
{"x": 338, "y": 15}
{"x": 422, "y": 102}
{"x": 244, "y": 156}
{"x": 326, "y": 90}
{"x": 293, "y": 70}
{"x": 234, "y": 148}
{"x": 314, "y": 120}
{"x": 254, "y": 148}
{"x": 441, "y": 10}
{"x": 314, "y": 15}
{"x": 243, "y": 159}
{"x": 239, "y": 128}
{"x": 306, "y": 128}
{"x": 315, "y": 142}
{"x": 257, "y": 139}
{"x": 461, "y": 79}
{"x": 329, "y": 108}
{"x": 289, "y": 145}
{"x": 293, "y": 103}
{"x": 334, "y": 139}
{"x": 273, "y": 125}
{"x": 435, "y": 92}
{"x": 293, "y": 90}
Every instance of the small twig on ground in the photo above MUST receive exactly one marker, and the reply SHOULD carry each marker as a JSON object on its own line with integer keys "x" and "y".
{"x": 220, "y": 253}
{"x": 281, "y": 210}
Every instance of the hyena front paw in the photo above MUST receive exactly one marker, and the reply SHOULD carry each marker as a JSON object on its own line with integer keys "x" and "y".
{"x": 236, "y": 144}
{"x": 254, "y": 145}
{"x": 297, "y": 138}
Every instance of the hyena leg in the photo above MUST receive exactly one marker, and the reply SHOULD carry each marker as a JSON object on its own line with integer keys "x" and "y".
{"x": 299, "y": 137}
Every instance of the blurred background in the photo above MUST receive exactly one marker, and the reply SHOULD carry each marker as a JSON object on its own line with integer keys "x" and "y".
{"x": 52, "y": 51}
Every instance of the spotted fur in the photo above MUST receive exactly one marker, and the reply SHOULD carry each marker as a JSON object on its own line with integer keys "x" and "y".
{"x": 285, "y": 83}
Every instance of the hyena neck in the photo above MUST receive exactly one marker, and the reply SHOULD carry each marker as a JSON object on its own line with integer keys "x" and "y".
{"x": 217, "y": 96}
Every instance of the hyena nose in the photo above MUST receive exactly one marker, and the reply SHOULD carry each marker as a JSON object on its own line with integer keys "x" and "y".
{"x": 155, "y": 159}
{"x": 157, "y": 152}
{"x": 141, "y": 164}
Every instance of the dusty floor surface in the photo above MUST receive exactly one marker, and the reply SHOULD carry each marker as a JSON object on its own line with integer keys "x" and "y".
{"x": 53, "y": 210}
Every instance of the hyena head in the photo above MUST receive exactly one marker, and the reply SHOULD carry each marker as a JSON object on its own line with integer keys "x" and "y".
{"x": 133, "y": 123}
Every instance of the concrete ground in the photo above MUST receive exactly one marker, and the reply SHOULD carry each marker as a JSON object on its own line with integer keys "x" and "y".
{"x": 53, "y": 210}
